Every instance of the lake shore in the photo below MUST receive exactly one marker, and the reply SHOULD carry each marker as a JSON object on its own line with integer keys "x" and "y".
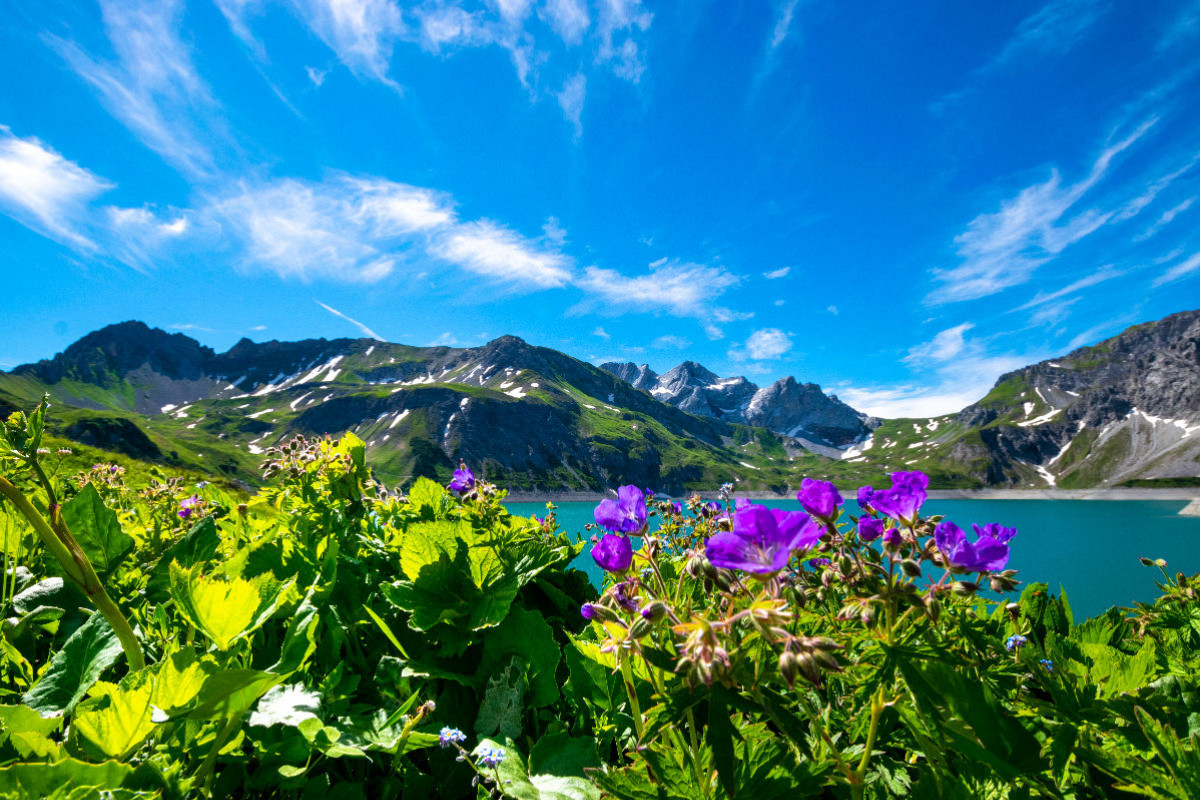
{"x": 1187, "y": 493}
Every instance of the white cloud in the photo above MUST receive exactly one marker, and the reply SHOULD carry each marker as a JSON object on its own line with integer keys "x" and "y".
{"x": 1099, "y": 276}
{"x": 317, "y": 76}
{"x": 366, "y": 331}
{"x": 1052, "y": 313}
{"x": 554, "y": 231}
{"x": 623, "y": 18}
{"x": 1180, "y": 270}
{"x": 1002, "y": 249}
{"x": 188, "y": 326}
{"x": 603, "y": 334}
{"x": 258, "y": 328}
{"x": 679, "y": 288}
{"x": 763, "y": 345}
{"x": 944, "y": 346}
{"x": 495, "y": 252}
{"x": 361, "y": 32}
{"x": 783, "y": 23}
{"x": 777, "y": 273}
{"x": 780, "y": 302}
{"x": 568, "y": 18}
{"x": 671, "y": 342}
{"x": 44, "y": 191}
{"x": 833, "y": 310}
{"x": 1165, "y": 219}
{"x": 570, "y": 100}
{"x": 447, "y": 339}
{"x": 152, "y": 87}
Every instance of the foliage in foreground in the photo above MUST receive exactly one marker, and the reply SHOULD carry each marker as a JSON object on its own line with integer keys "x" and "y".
{"x": 328, "y": 638}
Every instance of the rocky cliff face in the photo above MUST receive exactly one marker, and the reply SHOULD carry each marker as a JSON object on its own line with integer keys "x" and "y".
{"x": 1127, "y": 408}
{"x": 798, "y": 410}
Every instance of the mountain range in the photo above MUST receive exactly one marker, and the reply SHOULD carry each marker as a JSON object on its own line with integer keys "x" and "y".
{"x": 533, "y": 419}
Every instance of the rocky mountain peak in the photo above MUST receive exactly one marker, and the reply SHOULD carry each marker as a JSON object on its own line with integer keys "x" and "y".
{"x": 105, "y": 356}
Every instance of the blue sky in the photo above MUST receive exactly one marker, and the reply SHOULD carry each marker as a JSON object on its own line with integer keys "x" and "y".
{"x": 897, "y": 201}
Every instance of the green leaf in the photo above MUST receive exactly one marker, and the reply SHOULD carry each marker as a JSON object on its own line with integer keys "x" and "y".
{"x": 93, "y": 648}
{"x": 39, "y": 781}
{"x": 427, "y": 497}
{"x": 286, "y": 705}
{"x": 97, "y": 530}
{"x": 199, "y": 544}
{"x": 720, "y": 736}
{"x": 527, "y": 635}
{"x": 445, "y": 592}
{"x": 300, "y": 641}
{"x": 503, "y": 703}
{"x": 425, "y": 543}
{"x": 224, "y": 610}
{"x": 230, "y": 692}
{"x": 118, "y": 727}
{"x": 29, "y": 732}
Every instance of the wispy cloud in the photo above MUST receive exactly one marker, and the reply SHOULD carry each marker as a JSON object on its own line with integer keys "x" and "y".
{"x": 765, "y": 344}
{"x": 447, "y": 339}
{"x": 783, "y": 23}
{"x": 188, "y": 326}
{"x": 1096, "y": 332}
{"x": 680, "y": 288}
{"x": 671, "y": 342}
{"x": 570, "y": 100}
{"x": 1165, "y": 219}
{"x": 366, "y": 331}
{"x": 46, "y": 192}
{"x": 1101, "y": 275}
{"x": 620, "y": 22}
{"x": 502, "y": 255}
{"x": 1183, "y": 269}
{"x": 603, "y": 334}
{"x": 152, "y": 86}
{"x": 1002, "y": 249}
{"x": 568, "y": 18}
{"x": 777, "y": 273}
{"x": 957, "y": 370}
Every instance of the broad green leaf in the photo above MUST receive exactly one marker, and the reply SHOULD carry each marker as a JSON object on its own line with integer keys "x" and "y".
{"x": 428, "y": 496}
{"x": 49, "y": 592}
{"x": 299, "y": 643}
{"x": 563, "y": 754}
{"x": 590, "y": 683}
{"x": 97, "y": 530}
{"x": 445, "y": 592}
{"x": 525, "y": 634}
{"x": 230, "y": 692}
{"x": 224, "y": 610}
{"x": 29, "y": 732}
{"x": 178, "y": 679}
{"x": 720, "y": 736}
{"x": 93, "y": 648}
{"x": 503, "y": 703}
{"x": 119, "y": 727}
{"x": 39, "y": 781}
{"x": 424, "y": 543}
{"x": 199, "y": 544}
{"x": 286, "y": 705}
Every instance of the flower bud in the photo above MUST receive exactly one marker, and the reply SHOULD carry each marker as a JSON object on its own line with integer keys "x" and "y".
{"x": 640, "y": 628}
{"x": 789, "y": 667}
{"x": 599, "y": 613}
{"x": 654, "y": 611}
{"x": 845, "y": 564}
{"x": 911, "y": 568}
{"x": 933, "y": 607}
{"x": 964, "y": 588}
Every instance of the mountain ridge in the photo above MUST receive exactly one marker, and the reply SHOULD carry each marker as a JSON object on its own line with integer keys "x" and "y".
{"x": 535, "y": 419}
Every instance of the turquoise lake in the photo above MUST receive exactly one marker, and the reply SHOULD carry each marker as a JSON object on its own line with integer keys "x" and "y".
{"x": 1088, "y": 547}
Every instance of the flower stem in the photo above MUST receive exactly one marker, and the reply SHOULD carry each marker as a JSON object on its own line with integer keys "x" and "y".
{"x": 634, "y": 706}
{"x": 78, "y": 568}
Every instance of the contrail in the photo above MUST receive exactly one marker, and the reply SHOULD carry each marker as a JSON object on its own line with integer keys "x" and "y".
{"x": 353, "y": 322}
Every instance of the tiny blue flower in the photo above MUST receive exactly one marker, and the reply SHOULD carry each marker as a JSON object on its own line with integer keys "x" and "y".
{"x": 1014, "y": 641}
{"x": 1048, "y": 664}
{"x": 450, "y": 736}
{"x": 491, "y": 756}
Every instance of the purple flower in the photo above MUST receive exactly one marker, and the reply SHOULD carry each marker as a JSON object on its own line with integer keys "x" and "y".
{"x": 904, "y": 500}
{"x": 189, "y": 507}
{"x": 892, "y": 537}
{"x": 677, "y": 508}
{"x": 762, "y": 539}
{"x": 864, "y": 498}
{"x": 983, "y": 555}
{"x": 613, "y": 553}
{"x": 464, "y": 480}
{"x": 741, "y": 503}
{"x": 587, "y": 611}
{"x": 819, "y": 562}
{"x": 626, "y": 514}
{"x": 869, "y": 528}
{"x": 914, "y": 480}
{"x": 711, "y": 508}
{"x": 623, "y": 594}
{"x": 819, "y": 498}
{"x": 997, "y": 531}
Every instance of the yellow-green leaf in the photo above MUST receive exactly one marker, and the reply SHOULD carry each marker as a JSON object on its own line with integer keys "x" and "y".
{"x": 224, "y": 609}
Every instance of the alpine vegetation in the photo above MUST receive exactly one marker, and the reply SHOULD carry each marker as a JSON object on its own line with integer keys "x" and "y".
{"x": 329, "y": 636}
